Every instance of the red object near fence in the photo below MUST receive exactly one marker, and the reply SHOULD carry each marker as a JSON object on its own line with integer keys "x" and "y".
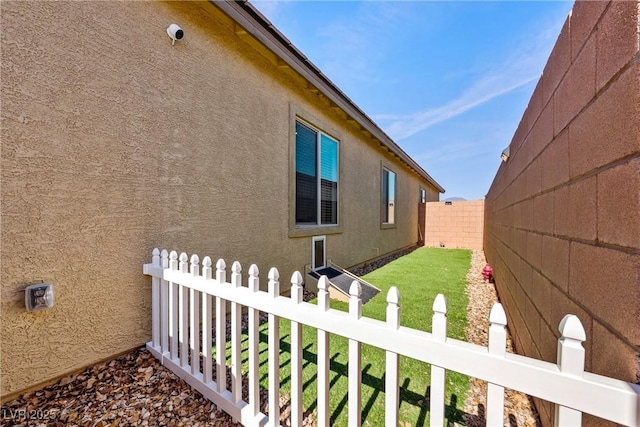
{"x": 487, "y": 273}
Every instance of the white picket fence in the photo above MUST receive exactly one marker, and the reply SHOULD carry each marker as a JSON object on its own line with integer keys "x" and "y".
{"x": 182, "y": 310}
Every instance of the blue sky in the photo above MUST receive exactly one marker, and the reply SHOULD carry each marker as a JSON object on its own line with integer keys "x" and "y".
{"x": 447, "y": 80}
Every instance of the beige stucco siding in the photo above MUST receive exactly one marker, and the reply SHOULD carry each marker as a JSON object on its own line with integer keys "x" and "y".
{"x": 115, "y": 142}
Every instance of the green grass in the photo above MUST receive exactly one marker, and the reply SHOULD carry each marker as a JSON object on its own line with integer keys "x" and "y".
{"x": 419, "y": 276}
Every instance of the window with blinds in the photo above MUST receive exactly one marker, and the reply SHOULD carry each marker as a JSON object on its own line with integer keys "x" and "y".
{"x": 316, "y": 177}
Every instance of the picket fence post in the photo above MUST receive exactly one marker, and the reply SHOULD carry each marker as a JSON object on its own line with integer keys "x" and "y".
{"x": 570, "y": 361}
{"x": 296, "y": 354}
{"x": 439, "y": 333}
{"x": 164, "y": 305}
{"x": 155, "y": 302}
{"x": 174, "y": 291}
{"x": 221, "y": 330}
{"x": 254, "y": 362}
{"x": 498, "y": 348}
{"x": 184, "y": 313}
{"x": 355, "y": 362}
{"x": 274, "y": 352}
{"x": 236, "y": 331}
{"x": 194, "y": 311}
{"x": 323, "y": 356}
{"x": 207, "y": 368}
{"x": 391, "y": 388}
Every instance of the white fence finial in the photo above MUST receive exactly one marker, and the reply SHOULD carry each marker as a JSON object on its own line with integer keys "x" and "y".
{"x": 497, "y": 315}
{"x": 236, "y": 274}
{"x": 440, "y": 304}
{"x": 173, "y": 260}
{"x": 355, "y": 290}
{"x": 393, "y": 309}
{"x": 155, "y": 256}
{"x": 571, "y": 327}
{"x": 221, "y": 271}
{"x": 206, "y": 268}
{"x": 164, "y": 255}
{"x": 195, "y": 265}
{"x": 184, "y": 263}
{"x": 296, "y": 287}
{"x": 274, "y": 284}
{"x": 236, "y": 267}
{"x": 254, "y": 281}
{"x": 393, "y": 296}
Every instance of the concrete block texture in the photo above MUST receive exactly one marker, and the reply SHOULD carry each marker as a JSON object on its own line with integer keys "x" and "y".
{"x": 617, "y": 39}
{"x": 568, "y": 236}
{"x": 606, "y": 282}
{"x": 584, "y": 17}
{"x": 457, "y": 225}
{"x": 582, "y": 208}
{"x": 577, "y": 88}
{"x": 558, "y": 63}
{"x": 607, "y": 130}
{"x": 619, "y": 205}
{"x": 555, "y": 162}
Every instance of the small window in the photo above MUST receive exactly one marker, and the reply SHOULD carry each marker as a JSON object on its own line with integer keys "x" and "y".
{"x": 316, "y": 177}
{"x": 423, "y": 195}
{"x": 388, "y": 196}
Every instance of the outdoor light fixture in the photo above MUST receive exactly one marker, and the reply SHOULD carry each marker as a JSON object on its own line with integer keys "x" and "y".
{"x": 505, "y": 154}
{"x": 38, "y": 297}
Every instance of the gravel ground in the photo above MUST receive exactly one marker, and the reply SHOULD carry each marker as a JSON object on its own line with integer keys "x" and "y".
{"x": 135, "y": 389}
{"x": 519, "y": 411}
{"x": 369, "y": 267}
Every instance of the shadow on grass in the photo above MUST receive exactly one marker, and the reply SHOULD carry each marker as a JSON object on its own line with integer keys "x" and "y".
{"x": 453, "y": 415}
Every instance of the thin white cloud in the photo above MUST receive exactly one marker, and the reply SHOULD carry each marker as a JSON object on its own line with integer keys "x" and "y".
{"x": 352, "y": 45}
{"x": 523, "y": 66}
{"x": 401, "y": 127}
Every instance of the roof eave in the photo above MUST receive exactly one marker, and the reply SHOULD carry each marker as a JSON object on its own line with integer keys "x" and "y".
{"x": 256, "y": 24}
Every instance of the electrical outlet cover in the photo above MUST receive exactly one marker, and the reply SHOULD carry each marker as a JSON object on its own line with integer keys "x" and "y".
{"x": 39, "y": 297}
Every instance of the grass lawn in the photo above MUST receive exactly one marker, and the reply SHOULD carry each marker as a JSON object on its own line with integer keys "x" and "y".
{"x": 419, "y": 276}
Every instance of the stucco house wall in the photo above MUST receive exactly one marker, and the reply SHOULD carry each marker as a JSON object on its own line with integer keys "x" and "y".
{"x": 562, "y": 228}
{"x": 115, "y": 142}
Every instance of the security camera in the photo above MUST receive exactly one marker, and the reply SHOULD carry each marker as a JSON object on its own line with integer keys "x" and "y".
{"x": 175, "y": 32}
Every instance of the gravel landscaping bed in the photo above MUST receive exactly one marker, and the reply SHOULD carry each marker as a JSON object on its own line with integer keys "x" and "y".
{"x": 374, "y": 265}
{"x": 519, "y": 411}
{"x": 135, "y": 389}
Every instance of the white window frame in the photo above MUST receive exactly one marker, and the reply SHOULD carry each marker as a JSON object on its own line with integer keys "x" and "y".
{"x": 315, "y": 239}
{"x": 384, "y": 207}
{"x": 320, "y": 124}
{"x": 319, "y": 223}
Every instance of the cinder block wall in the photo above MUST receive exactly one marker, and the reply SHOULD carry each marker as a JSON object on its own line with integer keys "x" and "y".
{"x": 562, "y": 225}
{"x": 458, "y": 225}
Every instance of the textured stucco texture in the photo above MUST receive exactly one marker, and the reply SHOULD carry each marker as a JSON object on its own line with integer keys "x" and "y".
{"x": 115, "y": 142}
